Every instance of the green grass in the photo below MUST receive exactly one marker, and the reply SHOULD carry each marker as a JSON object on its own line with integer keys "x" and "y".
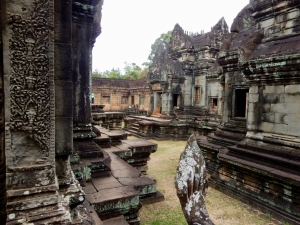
{"x": 222, "y": 209}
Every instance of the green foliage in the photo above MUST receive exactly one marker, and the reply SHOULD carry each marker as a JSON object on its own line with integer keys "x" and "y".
{"x": 113, "y": 73}
{"x": 96, "y": 73}
{"x": 131, "y": 70}
{"x": 163, "y": 39}
{"x": 143, "y": 73}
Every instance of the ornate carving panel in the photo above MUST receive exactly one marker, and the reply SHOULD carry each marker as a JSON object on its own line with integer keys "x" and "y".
{"x": 31, "y": 83}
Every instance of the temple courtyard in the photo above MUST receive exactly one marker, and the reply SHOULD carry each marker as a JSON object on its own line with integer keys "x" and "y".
{"x": 223, "y": 209}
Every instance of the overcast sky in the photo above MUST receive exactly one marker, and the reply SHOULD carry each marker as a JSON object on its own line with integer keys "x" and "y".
{"x": 130, "y": 27}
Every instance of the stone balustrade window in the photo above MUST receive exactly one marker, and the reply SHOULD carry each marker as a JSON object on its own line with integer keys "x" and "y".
{"x": 142, "y": 100}
{"x": 106, "y": 99}
{"x": 124, "y": 100}
{"x": 197, "y": 95}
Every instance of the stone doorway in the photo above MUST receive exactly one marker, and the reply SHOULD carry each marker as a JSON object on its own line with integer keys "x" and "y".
{"x": 241, "y": 103}
{"x": 157, "y": 102}
{"x": 176, "y": 100}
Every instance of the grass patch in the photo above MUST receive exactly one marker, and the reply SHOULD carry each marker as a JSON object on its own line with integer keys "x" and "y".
{"x": 222, "y": 209}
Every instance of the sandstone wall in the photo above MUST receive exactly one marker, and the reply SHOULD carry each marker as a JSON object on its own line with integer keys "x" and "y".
{"x": 275, "y": 109}
{"x": 118, "y": 94}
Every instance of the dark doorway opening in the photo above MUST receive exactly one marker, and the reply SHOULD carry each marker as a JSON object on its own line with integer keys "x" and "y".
{"x": 132, "y": 100}
{"x": 241, "y": 103}
{"x": 213, "y": 104}
{"x": 176, "y": 100}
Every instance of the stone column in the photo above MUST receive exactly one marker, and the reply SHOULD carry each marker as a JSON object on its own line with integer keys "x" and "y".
{"x": 27, "y": 32}
{"x": 85, "y": 29}
{"x": 2, "y": 152}
{"x": 63, "y": 90}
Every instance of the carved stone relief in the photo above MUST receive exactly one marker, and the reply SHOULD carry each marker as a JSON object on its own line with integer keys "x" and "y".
{"x": 31, "y": 87}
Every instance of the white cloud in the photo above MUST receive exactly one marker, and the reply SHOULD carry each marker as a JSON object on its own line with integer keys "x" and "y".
{"x": 130, "y": 27}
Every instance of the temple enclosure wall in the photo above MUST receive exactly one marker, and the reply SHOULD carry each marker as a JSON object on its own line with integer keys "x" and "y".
{"x": 119, "y": 94}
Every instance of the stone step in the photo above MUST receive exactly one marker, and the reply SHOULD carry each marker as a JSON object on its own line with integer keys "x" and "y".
{"x": 121, "y": 169}
{"x": 222, "y": 141}
{"x": 87, "y": 149}
{"x": 85, "y": 167}
{"x": 141, "y": 150}
{"x": 134, "y": 132}
{"x": 260, "y": 181}
{"x": 266, "y": 170}
{"x": 145, "y": 186}
{"x": 270, "y": 148}
{"x": 237, "y": 122}
{"x": 272, "y": 161}
{"x": 115, "y": 136}
{"x": 102, "y": 141}
{"x": 122, "y": 151}
{"x": 231, "y": 135}
{"x": 112, "y": 202}
{"x": 120, "y": 220}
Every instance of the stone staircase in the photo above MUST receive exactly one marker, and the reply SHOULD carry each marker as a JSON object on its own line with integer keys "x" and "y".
{"x": 113, "y": 174}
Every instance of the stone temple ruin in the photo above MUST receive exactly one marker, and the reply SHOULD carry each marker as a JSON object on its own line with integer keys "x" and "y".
{"x": 55, "y": 166}
{"x": 64, "y": 162}
{"x": 240, "y": 93}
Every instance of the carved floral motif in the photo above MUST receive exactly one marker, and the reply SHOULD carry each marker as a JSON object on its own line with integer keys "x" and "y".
{"x": 30, "y": 80}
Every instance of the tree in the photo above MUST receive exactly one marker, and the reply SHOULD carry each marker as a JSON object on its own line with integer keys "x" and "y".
{"x": 132, "y": 70}
{"x": 163, "y": 39}
{"x": 143, "y": 73}
{"x": 96, "y": 73}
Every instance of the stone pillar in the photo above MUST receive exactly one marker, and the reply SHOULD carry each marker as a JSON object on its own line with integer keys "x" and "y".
{"x": 84, "y": 32}
{"x": 187, "y": 91}
{"x": 63, "y": 90}
{"x": 166, "y": 102}
{"x": 28, "y": 59}
{"x": 2, "y": 152}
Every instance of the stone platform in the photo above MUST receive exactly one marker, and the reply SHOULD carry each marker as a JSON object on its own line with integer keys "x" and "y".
{"x": 259, "y": 168}
{"x": 165, "y": 129}
{"x": 113, "y": 173}
{"x": 109, "y": 120}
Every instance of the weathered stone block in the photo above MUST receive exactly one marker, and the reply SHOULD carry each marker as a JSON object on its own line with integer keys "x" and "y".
{"x": 266, "y": 127}
{"x": 63, "y": 135}
{"x": 253, "y": 98}
{"x": 271, "y": 98}
{"x": 266, "y": 108}
{"x": 267, "y": 23}
{"x": 292, "y": 89}
{"x": 293, "y": 118}
{"x": 30, "y": 178}
{"x": 63, "y": 61}
{"x": 251, "y": 118}
{"x": 268, "y": 117}
{"x": 63, "y": 20}
{"x": 281, "y": 118}
{"x": 279, "y": 108}
{"x": 280, "y": 128}
{"x": 269, "y": 90}
{"x": 279, "y": 89}
{"x": 63, "y": 92}
{"x": 289, "y": 98}
{"x": 253, "y": 90}
{"x": 251, "y": 107}
{"x": 294, "y": 129}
